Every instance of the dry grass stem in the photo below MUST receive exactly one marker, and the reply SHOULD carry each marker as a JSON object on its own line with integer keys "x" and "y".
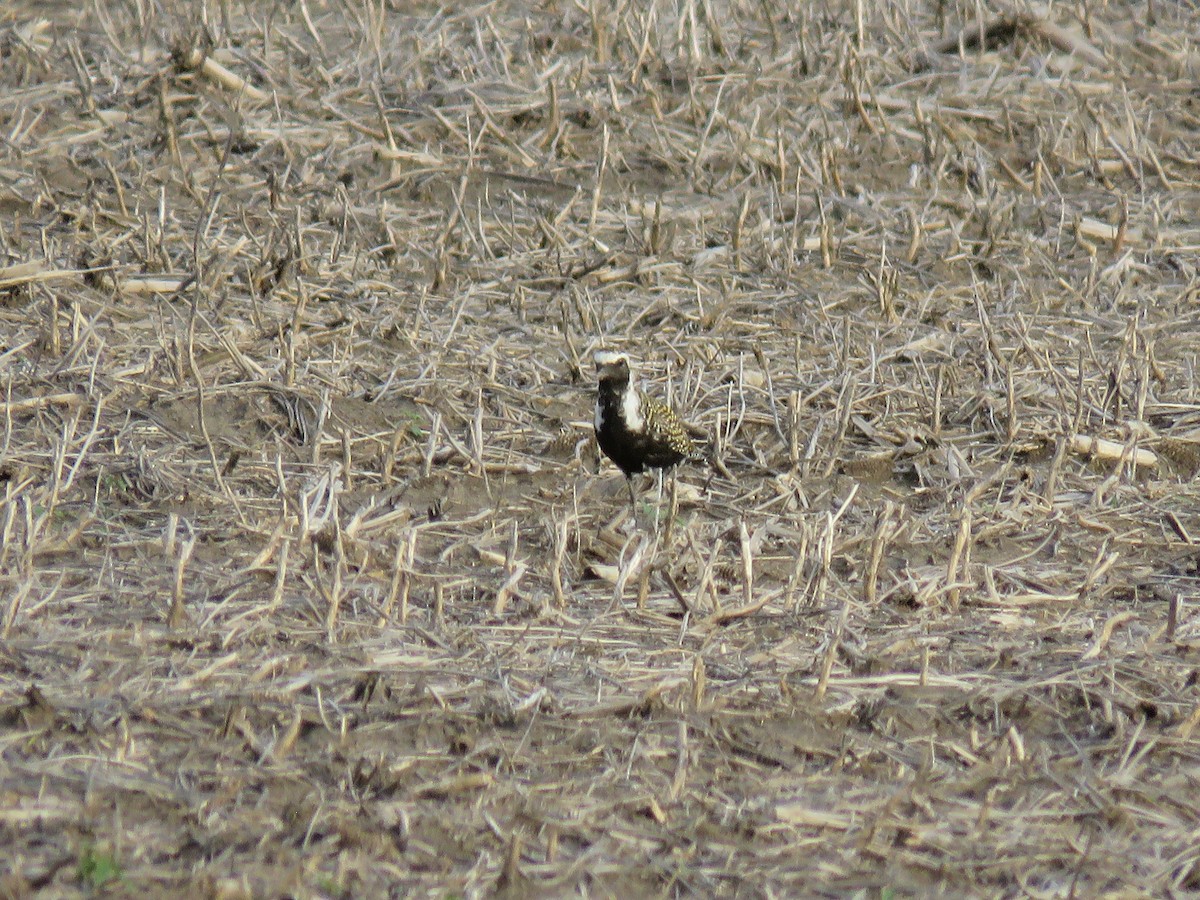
{"x": 314, "y": 583}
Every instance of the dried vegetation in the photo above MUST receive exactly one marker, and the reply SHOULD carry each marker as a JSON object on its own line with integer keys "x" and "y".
{"x": 311, "y": 583}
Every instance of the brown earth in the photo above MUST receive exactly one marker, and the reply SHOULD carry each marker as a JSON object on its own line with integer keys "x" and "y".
{"x": 311, "y": 583}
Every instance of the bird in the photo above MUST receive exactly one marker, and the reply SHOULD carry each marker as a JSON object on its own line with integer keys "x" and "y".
{"x": 634, "y": 430}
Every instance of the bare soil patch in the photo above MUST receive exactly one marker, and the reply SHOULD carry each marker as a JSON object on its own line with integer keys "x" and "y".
{"x": 312, "y": 583}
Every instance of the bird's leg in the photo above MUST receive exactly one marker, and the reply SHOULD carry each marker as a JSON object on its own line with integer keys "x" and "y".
{"x": 673, "y": 508}
{"x": 659, "y": 474}
{"x": 632, "y": 497}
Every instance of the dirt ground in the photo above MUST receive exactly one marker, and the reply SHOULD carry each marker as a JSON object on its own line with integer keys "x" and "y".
{"x": 312, "y": 583}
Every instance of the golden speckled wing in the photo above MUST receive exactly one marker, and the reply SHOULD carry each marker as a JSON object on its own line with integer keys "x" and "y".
{"x": 668, "y": 439}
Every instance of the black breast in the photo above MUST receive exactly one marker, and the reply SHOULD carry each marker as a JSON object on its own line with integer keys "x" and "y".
{"x": 632, "y": 451}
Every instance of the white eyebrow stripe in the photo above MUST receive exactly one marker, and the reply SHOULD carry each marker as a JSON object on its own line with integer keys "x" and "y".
{"x": 608, "y": 357}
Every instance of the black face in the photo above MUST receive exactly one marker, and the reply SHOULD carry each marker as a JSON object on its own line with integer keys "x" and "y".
{"x": 613, "y": 372}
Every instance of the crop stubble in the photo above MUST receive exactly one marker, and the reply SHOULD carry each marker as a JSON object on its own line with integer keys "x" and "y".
{"x": 311, "y": 582}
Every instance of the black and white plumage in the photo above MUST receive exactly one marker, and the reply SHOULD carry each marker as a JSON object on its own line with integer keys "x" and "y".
{"x": 634, "y": 430}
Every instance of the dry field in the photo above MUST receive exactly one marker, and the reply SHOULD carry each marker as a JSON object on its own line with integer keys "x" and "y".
{"x": 312, "y": 584}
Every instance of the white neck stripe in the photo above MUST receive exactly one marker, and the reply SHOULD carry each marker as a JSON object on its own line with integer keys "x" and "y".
{"x": 631, "y": 410}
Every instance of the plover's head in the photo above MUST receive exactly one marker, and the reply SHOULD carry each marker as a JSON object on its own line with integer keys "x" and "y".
{"x": 612, "y": 368}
